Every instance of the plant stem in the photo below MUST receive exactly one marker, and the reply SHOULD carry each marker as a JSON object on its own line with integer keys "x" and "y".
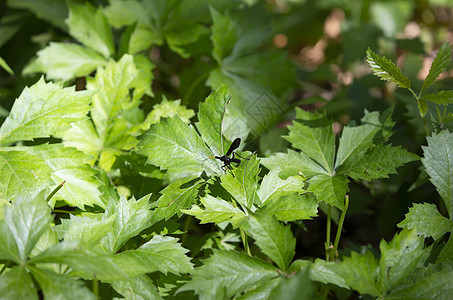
{"x": 245, "y": 243}
{"x": 55, "y": 190}
{"x": 95, "y": 287}
{"x": 340, "y": 225}
{"x": 329, "y": 221}
{"x": 4, "y": 267}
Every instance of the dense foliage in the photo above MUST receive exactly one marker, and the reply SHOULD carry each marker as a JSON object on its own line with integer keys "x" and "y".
{"x": 338, "y": 183}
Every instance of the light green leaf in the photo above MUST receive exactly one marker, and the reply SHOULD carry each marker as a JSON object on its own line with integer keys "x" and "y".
{"x": 172, "y": 143}
{"x": 360, "y": 273}
{"x": 22, "y": 173}
{"x": 437, "y": 161}
{"x": 86, "y": 229}
{"x": 439, "y": 64}
{"x": 129, "y": 218}
{"x": 166, "y": 109}
{"x": 223, "y": 35}
{"x": 42, "y": 110}
{"x": 313, "y": 134}
{"x": 234, "y": 271}
{"x": 89, "y": 263}
{"x": 125, "y": 12}
{"x": 17, "y": 284}
{"x": 177, "y": 196}
{"x": 83, "y": 136}
{"x": 72, "y": 167}
{"x": 89, "y": 25}
{"x": 427, "y": 221}
{"x": 59, "y": 286}
{"x": 215, "y": 211}
{"x": 273, "y": 185}
{"x": 140, "y": 288}
{"x": 162, "y": 253}
{"x": 375, "y": 128}
{"x": 113, "y": 97}
{"x": 292, "y": 207}
{"x": 23, "y": 224}
{"x": 386, "y": 69}
{"x": 261, "y": 291}
{"x": 400, "y": 257}
{"x": 294, "y": 160}
{"x": 5, "y": 66}
{"x": 331, "y": 190}
{"x": 442, "y": 97}
{"x": 61, "y": 61}
{"x": 321, "y": 272}
{"x": 377, "y": 162}
{"x": 243, "y": 185}
{"x": 274, "y": 239}
{"x": 210, "y": 119}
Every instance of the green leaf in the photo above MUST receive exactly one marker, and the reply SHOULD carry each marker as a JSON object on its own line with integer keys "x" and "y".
{"x": 313, "y": 135}
{"x": 243, "y": 185}
{"x": 215, "y": 211}
{"x": 210, "y": 118}
{"x": 65, "y": 61}
{"x": 89, "y": 263}
{"x": 89, "y": 25}
{"x": 442, "y": 97}
{"x": 261, "y": 291}
{"x": 273, "y": 186}
{"x": 438, "y": 66}
{"x": 298, "y": 287}
{"x": 447, "y": 251}
{"x": 59, "y": 286}
{"x": 130, "y": 217}
{"x": 23, "y": 224}
{"x": 5, "y": 66}
{"x": 72, "y": 167}
{"x": 292, "y": 207}
{"x": 320, "y": 272}
{"x": 331, "y": 190}
{"x": 42, "y": 110}
{"x": 21, "y": 173}
{"x": 166, "y": 109}
{"x": 375, "y": 128}
{"x": 86, "y": 229}
{"x": 427, "y": 221}
{"x": 172, "y": 143}
{"x": 177, "y": 196}
{"x": 386, "y": 69}
{"x": 360, "y": 273}
{"x": 377, "y": 162}
{"x": 274, "y": 239}
{"x": 400, "y": 257}
{"x": 234, "y": 271}
{"x": 437, "y": 161}
{"x": 52, "y": 11}
{"x": 162, "y": 253}
{"x": 17, "y": 284}
{"x": 137, "y": 289}
{"x": 429, "y": 285}
{"x": 223, "y": 35}
{"x": 295, "y": 160}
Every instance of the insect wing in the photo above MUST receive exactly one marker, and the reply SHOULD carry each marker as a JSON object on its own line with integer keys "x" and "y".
{"x": 233, "y": 146}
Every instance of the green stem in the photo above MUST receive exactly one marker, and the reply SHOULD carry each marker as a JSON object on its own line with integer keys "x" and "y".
{"x": 340, "y": 224}
{"x": 245, "y": 243}
{"x": 95, "y": 286}
{"x": 55, "y": 191}
{"x": 329, "y": 221}
{"x": 194, "y": 85}
{"x": 187, "y": 223}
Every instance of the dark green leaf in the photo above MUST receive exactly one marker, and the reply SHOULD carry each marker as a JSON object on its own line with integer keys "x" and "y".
{"x": 138, "y": 288}
{"x": 442, "y": 97}
{"x": 386, "y": 69}
{"x": 331, "y": 190}
{"x": 438, "y": 66}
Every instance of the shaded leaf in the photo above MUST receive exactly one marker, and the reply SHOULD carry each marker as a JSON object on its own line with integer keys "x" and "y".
{"x": 442, "y": 97}
{"x": 140, "y": 288}
{"x": 274, "y": 239}
{"x": 438, "y": 66}
{"x": 17, "y": 284}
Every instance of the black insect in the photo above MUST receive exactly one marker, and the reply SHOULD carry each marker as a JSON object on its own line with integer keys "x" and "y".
{"x": 226, "y": 159}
